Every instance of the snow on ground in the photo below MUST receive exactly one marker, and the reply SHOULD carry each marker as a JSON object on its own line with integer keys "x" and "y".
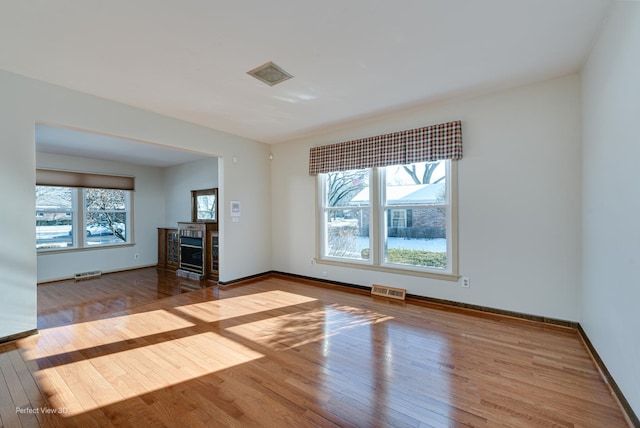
{"x": 438, "y": 245}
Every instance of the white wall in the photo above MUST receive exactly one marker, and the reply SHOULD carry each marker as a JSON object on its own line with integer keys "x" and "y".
{"x": 162, "y": 198}
{"x": 519, "y": 200}
{"x": 180, "y": 180}
{"x": 611, "y": 198}
{"x": 148, "y": 213}
{"x": 24, "y": 101}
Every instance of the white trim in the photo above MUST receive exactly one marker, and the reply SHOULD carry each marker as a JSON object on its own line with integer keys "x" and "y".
{"x": 378, "y": 227}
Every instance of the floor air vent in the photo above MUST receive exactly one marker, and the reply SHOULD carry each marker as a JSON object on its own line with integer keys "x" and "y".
{"x": 392, "y": 292}
{"x": 87, "y": 275}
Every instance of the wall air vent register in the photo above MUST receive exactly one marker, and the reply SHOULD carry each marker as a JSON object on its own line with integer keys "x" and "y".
{"x": 392, "y": 292}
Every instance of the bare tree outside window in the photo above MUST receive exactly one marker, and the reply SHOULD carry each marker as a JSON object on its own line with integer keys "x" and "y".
{"x": 106, "y": 208}
{"x": 348, "y": 213}
{"x": 342, "y": 186}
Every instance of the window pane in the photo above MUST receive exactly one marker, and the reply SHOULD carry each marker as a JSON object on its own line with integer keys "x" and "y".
{"x": 418, "y": 183}
{"x": 417, "y": 237}
{"x": 348, "y": 188}
{"x": 105, "y": 199}
{"x": 206, "y": 207}
{"x": 348, "y": 234}
{"x": 54, "y": 217}
{"x": 106, "y": 216}
{"x": 105, "y": 228}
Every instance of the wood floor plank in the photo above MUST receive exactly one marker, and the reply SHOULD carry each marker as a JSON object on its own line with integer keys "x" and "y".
{"x": 131, "y": 349}
{"x": 8, "y": 414}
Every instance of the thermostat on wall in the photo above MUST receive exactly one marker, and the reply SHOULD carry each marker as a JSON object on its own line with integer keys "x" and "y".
{"x": 235, "y": 208}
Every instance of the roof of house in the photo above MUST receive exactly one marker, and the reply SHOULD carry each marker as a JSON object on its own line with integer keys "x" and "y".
{"x": 407, "y": 194}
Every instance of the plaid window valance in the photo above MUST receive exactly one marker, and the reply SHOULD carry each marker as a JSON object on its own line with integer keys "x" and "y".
{"x": 428, "y": 144}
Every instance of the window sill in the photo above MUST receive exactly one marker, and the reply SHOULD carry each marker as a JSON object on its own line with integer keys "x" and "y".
{"x": 75, "y": 250}
{"x": 453, "y": 277}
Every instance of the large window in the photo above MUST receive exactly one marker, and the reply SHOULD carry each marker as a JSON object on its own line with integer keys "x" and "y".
{"x": 73, "y": 217}
{"x": 393, "y": 217}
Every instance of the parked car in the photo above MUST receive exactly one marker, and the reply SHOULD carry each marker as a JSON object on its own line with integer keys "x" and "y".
{"x": 103, "y": 229}
{"x": 99, "y": 229}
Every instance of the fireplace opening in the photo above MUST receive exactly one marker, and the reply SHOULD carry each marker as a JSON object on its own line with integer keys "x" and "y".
{"x": 191, "y": 254}
{"x": 198, "y": 251}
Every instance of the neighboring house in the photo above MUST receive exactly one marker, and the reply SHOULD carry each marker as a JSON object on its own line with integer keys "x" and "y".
{"x": 405, "y": 221}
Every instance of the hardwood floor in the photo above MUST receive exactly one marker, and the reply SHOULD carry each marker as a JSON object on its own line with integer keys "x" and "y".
{"x": 66, "y": 302}
{"x": 279, "y": 353}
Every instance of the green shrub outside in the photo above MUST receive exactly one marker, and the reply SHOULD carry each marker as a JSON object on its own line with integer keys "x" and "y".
{"x": 413, "y": 257}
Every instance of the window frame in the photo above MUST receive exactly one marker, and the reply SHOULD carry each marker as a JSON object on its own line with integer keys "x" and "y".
{"x": 79, "y": 223}
{"x": 74, "y": 220}
{"x": 377, "y": 229}
{"x": 86, "y": 214}
{"x": 325, "y": 208}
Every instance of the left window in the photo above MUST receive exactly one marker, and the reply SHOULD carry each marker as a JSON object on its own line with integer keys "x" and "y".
{"x": 76, "y": 217}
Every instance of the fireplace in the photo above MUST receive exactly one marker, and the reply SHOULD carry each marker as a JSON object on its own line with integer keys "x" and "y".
{"x": 199, "y": 250}
{"x": 191, "y": 254}
{"x": 192, "y": 251}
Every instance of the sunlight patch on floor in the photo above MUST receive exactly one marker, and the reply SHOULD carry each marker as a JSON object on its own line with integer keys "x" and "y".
{"x": 234, "y": 307}
{"x": 89, "y": 384}
{"x": 76, "y": 337}
{"x": 303, "y": 327}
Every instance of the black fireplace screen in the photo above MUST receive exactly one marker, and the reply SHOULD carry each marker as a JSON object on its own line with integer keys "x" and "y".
{"x": 191, "y": 254}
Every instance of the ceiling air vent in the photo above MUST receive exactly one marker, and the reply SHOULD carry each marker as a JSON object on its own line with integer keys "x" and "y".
{"x": 270, "y": 74}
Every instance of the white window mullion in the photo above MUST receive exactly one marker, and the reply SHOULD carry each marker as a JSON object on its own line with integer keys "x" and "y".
{"x": 323, "y": 216}
{"x": 79, "y": 222}
{"x": 130, "y": 216}
{"x": 452, "y": 216}
{"x": 378, "y": 201}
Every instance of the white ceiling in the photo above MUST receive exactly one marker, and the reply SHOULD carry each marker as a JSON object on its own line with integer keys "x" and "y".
{"x": 73, "y": 142}
{"x": 351, "y": 59}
